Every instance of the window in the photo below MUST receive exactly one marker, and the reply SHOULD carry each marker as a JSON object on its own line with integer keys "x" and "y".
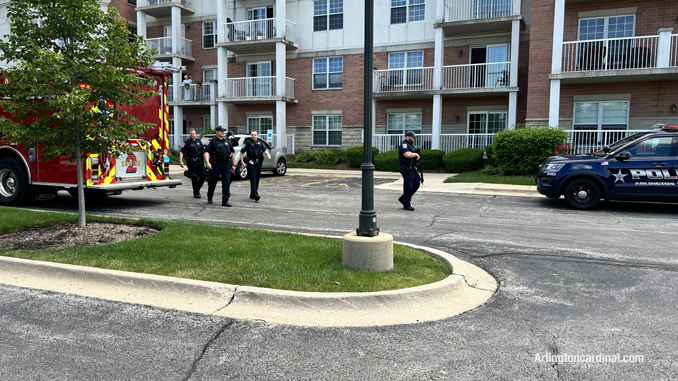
{"x": 132, "y": 2}
{"x": 327, "y": 130}
{"x": 260, "y": 124}
{"x": 209, "y": 75}
{"x": 132, "y": 29}
{"x": 601, "y": 116}
{"x": 209, "y": 34}
{"x": 206, "y": 124}
{"x": 328, "y": 73}
{"x": 398, "y": 123}
{"x": 487, "y": 122}
{"x": 328, "y": 20}
{"x": 404, "y": 11}
{"x": 411, "y": 63}
{"x": 615, "y": 51}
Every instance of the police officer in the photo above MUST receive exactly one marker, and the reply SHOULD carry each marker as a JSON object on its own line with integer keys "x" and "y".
{"x": 194, "y": 150}
{"x": 255, "y": 150}
{"x": 221, "y": 162}
{"x": 408, "y": 157}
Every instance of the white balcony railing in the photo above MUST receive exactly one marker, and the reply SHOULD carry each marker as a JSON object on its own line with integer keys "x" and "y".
{"x": 163, "y": 45}
{"x": 413, "y": 79}
{"x": 611, "y": 54}
{"x": 583, "y": 141}
{"x": 263, "y": 29}
{"x": 476, "y": 75}
{"x": 145, "y": 3}
{"x": 290, "y": 142}
{"x": 256, "y": 87}
{"x": 453, "y": 142}
{"x": 389, "y": 142}
{"x": 194, "y": 93}
{"x": 460, "y": 10}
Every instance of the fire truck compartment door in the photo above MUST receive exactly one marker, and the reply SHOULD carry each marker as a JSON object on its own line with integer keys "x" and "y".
{"x": 132, "y": 166}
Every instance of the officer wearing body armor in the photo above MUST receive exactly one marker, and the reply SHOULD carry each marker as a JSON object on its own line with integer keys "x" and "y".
{"x": 408, "y": 157}
{"x": 254, "y": 149}
{"x": 221, "y": 162}
{"x": 194, "y": 152}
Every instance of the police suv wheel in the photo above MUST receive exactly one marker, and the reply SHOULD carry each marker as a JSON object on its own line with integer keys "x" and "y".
{"x": 241, "y": 171}
{"x": 280, "y": 167}
{"x": 582, "y": 194}
{"x": 13, "y": 183}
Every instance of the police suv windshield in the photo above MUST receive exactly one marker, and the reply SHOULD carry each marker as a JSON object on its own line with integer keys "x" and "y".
{"x": 618, "y": 144}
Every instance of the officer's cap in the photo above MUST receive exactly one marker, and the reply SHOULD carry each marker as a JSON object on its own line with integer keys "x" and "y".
{"x": 410, "y": 133}
{"x": 219, "y": 128}
{"x": 230, "y": 133}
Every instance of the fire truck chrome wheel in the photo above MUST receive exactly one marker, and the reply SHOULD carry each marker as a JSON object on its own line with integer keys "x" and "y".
{"x": 7, "y": 183}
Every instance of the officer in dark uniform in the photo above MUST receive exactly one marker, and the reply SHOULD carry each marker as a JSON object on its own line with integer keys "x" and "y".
{"x": 221, "y": 162}
{"x": 194, "y": 151}
{"x": 408, "y": 157}
{"x": 255, "y": 150}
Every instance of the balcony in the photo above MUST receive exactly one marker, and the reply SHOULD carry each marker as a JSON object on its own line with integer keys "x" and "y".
{"x": 457, "y": 80}
{"x": 164, "y": 52}
{"x": 479, "y": 16}
{"x": 644, "y": 58}
{"x": 257, "y": 90}
{"x": 163, "y": 8}
{"x": 193, "y": 95}
{"x": 257, "y": 35}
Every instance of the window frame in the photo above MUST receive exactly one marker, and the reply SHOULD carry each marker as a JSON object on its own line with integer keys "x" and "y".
{"x": 327, "y": 15}
{"x": 600, "y": 117}
{"x": 403, "y": 121}
{"x": 132, "y": 2}
{"x": 327, "y": 73}
{"x": 487, "y": 121}
{"x": 213, "y": 34}
{"x": 327, "y": 130}
{"x": 411, "y": 75}
{"x": 249, "y": 128}
{"x": 214, "y": 75}
{"x": 409, "y": 6}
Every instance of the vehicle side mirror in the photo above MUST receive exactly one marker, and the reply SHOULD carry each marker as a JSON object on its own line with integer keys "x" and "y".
{"x": 623, "y": 156}
{"x": 606, "y": 149}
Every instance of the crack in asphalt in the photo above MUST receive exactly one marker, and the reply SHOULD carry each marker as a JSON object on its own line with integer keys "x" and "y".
{"x": 194, "y": 366}
{"x": 578, "y": 259}
{"x": 484, "y": 207}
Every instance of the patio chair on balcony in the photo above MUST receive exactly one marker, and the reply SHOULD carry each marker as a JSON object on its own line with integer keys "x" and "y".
{"x": 592, "y": 57}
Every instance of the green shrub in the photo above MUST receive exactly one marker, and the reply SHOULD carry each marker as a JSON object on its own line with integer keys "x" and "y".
{"x": 489, "y": 152}
{"x": 305, "y": 157}
{"x": 354, "y": 156}
{"x": 330, "y": 156}
{"x": 519, "y": 152}
{"x": 463, "y": 160}
{"x": 490, "y": 170}
{"x": 433, "y": 158}
{"x": 387, "y": 161}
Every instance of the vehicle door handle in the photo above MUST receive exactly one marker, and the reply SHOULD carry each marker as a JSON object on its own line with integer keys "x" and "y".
{"x": 659, "y": 164}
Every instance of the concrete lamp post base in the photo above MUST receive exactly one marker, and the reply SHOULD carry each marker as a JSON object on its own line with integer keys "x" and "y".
{"x": 368, "y": 253}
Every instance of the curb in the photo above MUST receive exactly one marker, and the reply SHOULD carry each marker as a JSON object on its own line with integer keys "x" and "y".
{"x": 466, "y": 288}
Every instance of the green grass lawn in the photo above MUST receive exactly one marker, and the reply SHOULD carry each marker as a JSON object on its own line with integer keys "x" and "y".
{"x": 231, "y": 255}
{"x": 310, "y": 166}
{"x": 479, "y": 177}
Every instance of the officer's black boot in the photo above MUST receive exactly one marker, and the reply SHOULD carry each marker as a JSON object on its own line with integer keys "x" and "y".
{"x": 226, "y": 203}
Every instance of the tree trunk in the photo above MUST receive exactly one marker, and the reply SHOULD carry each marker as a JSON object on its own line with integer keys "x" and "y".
{"x": 81, "y": 191}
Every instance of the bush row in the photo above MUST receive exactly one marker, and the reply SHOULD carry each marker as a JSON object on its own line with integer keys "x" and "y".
{"x": 352, "y": 156}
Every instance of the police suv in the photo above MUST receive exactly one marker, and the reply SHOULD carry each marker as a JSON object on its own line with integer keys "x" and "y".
{"x": 641, "y": 167}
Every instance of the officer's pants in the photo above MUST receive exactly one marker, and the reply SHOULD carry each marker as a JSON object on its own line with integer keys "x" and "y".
{"x": 197, "y": 168}
{"x": 254, "y": 171}
{"x": 411, "y": 183}
{"x": 222, "y": 171}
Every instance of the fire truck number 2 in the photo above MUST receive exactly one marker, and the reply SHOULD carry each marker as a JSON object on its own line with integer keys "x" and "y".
{"x": 131, "y": 162}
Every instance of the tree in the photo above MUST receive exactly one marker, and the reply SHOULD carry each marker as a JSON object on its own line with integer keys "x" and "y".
{"x": 66, "y": 60}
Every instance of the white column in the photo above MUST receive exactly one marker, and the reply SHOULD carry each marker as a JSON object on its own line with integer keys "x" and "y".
{"x": 141, "y": 24}
{"x": 176, "y": 80}
{"x": 554, "y": 103}
{"x": 437, "y": 121}
{"x": 280, "y": 18}
{"x": 222, "y": 81}
{"x": 176, "y": 30}
{"x": 178, "y": 125}
{"x": 281, "y": 124}
{"x": 664, "y": 54}
{"x": 515, "y": 52}
{"x": 516, "y": 8}
{"x": 512, "y": 110}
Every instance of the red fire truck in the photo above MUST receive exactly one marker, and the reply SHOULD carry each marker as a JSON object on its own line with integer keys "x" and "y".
{"x": 23, "y": 176}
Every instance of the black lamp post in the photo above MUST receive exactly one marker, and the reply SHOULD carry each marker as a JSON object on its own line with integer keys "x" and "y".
{"x": 368, "y": 216}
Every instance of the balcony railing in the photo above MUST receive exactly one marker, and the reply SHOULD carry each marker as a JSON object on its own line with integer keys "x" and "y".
{"x": 163, "y": 45}
{"x": 389, "y": 142}
{"x": 263, "y": 29}
{"x": 476, "y": 75}
{"x": 256, "y": 87}
{"x": 146, "y": 3}
{"x": 290, "y": 142}
{"x": 611, "y": 54}
{"x": 587, "y": 141}
{"x": 453, "y": 142}
{"x": 203, "y": 93}
{"x": 461, "y": 10}
{"x": 413, "y": 79}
